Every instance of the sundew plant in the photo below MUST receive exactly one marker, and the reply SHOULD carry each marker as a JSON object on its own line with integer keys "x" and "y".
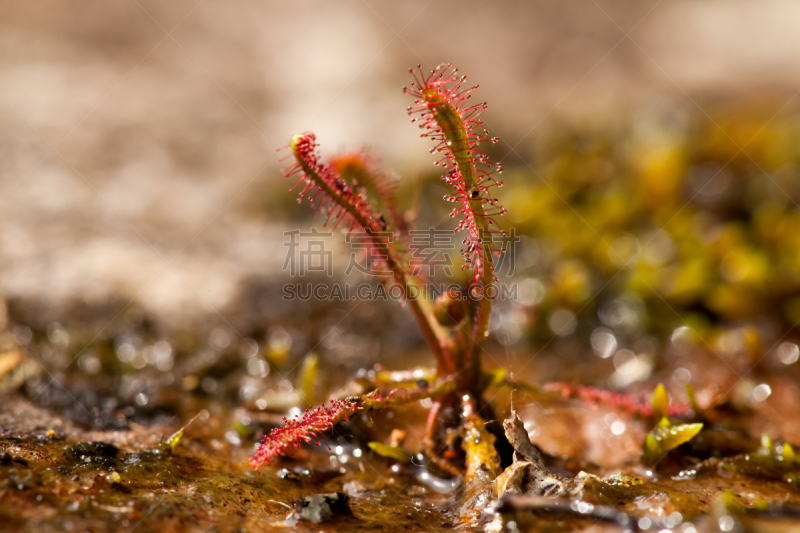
{"x": 454, "y": 324}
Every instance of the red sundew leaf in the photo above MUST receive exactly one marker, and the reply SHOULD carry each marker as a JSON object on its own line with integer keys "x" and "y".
{"x": 327, "y": 192}
{"x": 625, "y": 402}
{"x": 287, "y": 438}
{"x": 360, "y": 166}
{"x": 342, "y": 201}
{"x": 456, "y": 129}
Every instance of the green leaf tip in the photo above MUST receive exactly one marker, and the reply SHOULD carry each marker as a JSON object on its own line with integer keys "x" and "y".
{"x": 175, "y": 438}
{"x": 660, "y": 403}
{"x": 663, "y": 439}
{"x": 788, "y": 452}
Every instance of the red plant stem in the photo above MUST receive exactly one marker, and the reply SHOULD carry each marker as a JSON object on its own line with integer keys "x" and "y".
{"x": 430, "y": 442}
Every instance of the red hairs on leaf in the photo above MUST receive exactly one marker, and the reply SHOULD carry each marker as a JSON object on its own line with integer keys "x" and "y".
{"x": 358, "y": 165}
{"x": 287, "y": 438}
{"x": 327, "y": 191}
{"x": 457, "y": 130}
{"x": 625, "y": 402}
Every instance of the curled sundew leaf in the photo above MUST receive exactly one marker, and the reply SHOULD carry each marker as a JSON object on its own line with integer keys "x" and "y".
{"x": 390, "y": 452}
{"x": 359, "y": 166}
{"x": 441, "y": 105}
{"x": 308, "y": 378}
{"x": 326, "y": 191}
{"x": 662, "y": 439}
{"x": 660, "y": 403}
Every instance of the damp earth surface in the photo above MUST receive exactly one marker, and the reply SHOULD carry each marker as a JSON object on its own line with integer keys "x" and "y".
{"x": 645, "y": 258}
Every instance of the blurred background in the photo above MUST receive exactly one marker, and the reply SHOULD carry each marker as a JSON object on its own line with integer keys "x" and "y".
{"x": 651, "y": 155}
